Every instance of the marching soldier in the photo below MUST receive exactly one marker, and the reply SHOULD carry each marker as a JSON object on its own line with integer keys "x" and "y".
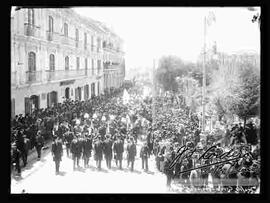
{"x": 131, "y": 150}
{"x": 98, "y": 146}
{"x": 39, "y": 143}
{"x": 144, "y": 154}
{"x": 57, "y": 152}
{"x": 75, "y": 150}
{"x": 108, "y": 151}
{"x": 87, "y": 147}
{"x": 118, "y": 148}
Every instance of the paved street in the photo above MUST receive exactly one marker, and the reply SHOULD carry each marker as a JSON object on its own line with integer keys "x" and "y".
{"x": 39, "y": 177}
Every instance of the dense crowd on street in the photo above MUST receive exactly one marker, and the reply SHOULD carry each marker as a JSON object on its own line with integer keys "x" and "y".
{"x": 106, "y": 127}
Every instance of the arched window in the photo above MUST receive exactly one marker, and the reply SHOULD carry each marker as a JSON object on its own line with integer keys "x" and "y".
{"x": 50, "y": 24}
{"x": 52, "y": 62}
{"x": 32, "y": 61}
{"x": 66, "y": 63}
{"x": 65, "y": 29}
{"x": 31, "y": 16}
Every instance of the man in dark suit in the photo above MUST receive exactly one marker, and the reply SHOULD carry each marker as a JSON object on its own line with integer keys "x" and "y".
{"x": 98, "y": 147}
{"x": 39, "y": 143}
{"x": 131, "y": 152}
{"x": 144, "y": 154}
{"x": 16, "y": 154}
{"x": 108, "y": 150}
{"x": 87, "y": 147}
{"x": 75, "y": 151}
{"x": 118, "y": 149}
{"x": 57, "y": 152}
{"x": 27, "y": 147}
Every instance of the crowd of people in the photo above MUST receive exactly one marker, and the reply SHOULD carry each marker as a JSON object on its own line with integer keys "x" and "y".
{"x": 100, "y": 128}
{"x": 196, "y": 155}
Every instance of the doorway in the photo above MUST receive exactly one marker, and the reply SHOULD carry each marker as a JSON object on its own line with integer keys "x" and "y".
{"x": 67, "y": 94}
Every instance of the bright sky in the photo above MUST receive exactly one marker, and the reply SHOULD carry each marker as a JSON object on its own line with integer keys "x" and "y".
{"x": 150, "y": 32}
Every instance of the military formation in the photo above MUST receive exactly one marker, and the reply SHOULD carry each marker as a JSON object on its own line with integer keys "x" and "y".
{"x": 106, "y": 130}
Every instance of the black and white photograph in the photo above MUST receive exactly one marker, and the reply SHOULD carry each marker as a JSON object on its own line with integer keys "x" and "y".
{"x": 135, "y": 100}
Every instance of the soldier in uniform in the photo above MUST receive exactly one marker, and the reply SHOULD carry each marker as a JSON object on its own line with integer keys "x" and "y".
{"x": 131, "y": 151}
{"x": 108, "y": 151}
{"x": 39, "y": 143}
{"x": 87, "y": 147}
{"x": 118, "y": 149}
{"x": 75, "y": 151}
{"x": 144, "y": 154}
{"x": 57, "y": 152}
{"x": 98, "y": 147}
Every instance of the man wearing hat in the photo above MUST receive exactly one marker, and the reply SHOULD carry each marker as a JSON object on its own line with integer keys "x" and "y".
{"x": 144, "y": 154}
{"x": 57, "y": 152}
{"x": 108, "y": 150}
{"x": 98, "y": 147}
{"x": 39, "y": 143}
{"x": 118, "y": 148}
{"x": 27, "y": 146}
{"x": 87, "y": 147}
{"x": 75, "y": 151}
{"x": 131, "y": 153}
{"x": 16, "y": 154}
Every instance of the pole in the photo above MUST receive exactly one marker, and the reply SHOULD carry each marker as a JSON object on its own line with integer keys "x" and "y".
{"x": 204, "y": 77}
{"x": 154, "y": 95}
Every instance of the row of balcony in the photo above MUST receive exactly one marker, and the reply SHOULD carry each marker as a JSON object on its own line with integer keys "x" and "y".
{"x": 31, "y": 30}
{"x": 54, "y": 75}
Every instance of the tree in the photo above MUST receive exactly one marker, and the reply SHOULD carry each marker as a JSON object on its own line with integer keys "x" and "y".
{"x": 169, "y": 68}
{"x": 248, "y": 93}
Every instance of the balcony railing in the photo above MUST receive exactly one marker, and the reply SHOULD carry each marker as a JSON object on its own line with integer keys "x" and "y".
{"x": 65, "y": 74}
{"x": 33, "y": 76}
{"x": 13, "y": 78}
{"x": 29, "y": 29}
{"x": 68, "y": 41}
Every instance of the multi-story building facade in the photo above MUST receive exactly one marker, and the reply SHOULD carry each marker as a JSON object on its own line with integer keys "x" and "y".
{"x": 58, "y": 54}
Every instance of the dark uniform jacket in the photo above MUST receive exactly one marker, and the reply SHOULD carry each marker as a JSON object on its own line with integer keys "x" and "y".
{"x": 118, "y": 148}
{"x": 107, "y": 149}
{"x": 57, "y": 150}
{"x": 98, "y": 150}
{"x": 87, "y": 147}
{"x": 131, "y": 149}
{"x": 75, "y": 147}
{"x": 40, "y": 140}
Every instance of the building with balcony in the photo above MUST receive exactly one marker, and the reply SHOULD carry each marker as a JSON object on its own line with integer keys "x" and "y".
{"x": 58, "y": 54}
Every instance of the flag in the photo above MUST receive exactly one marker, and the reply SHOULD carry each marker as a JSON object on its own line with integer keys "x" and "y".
{"x": 210, "y": 18}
